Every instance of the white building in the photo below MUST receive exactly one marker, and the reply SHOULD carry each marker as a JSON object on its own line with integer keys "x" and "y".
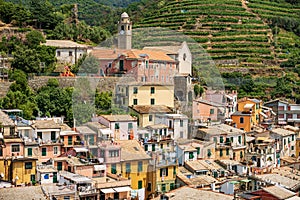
{"x": 285, "y": 141}
{"x": 46, "y": 174}
{"x": 177, "y": 123}
{"x": 123, "y": 126}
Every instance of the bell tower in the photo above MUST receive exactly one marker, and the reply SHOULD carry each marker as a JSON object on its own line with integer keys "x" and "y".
{"x": 124, "y": 32}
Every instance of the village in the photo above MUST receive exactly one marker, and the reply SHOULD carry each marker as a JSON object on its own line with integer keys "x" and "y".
{"x": 171, "y": 144}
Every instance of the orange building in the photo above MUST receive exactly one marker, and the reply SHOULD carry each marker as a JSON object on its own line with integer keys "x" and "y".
{"x": 242, "y": 120}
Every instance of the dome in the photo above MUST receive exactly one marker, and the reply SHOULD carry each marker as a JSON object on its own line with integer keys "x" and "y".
{"x": 124, "y": 15}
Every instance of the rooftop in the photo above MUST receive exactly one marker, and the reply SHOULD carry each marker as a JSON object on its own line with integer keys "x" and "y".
{"x": 282, "y": 132}
{"x": 118, "y": 118}
{"x": 209, "y": 103}
{"x": 76, "y": 178}
{"x": 31, "y": 192}
{"x": 279, "y": 192}
{"x": 64, "y": 43}
{"x": 203, "y": 165}
{"x": 277, "y": 178}
{"x": 85, "y": 130}
{"x": 5, "y": 120}
{"x": 152, "y": 109}
{"x": 132, "y": 150}
{"x": 221, "y": 129}
{"x": 53, "y": 189}
{"x": 240, "y": 113}
{"x": 45, "y": 124}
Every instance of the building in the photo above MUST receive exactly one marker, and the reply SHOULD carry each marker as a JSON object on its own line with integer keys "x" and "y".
{"x": 133, "y": 164}
{"x": 124, "y": 32}
{"x": 230, "y": 141}
{"x": 205, "y": 167}
{"x": 67, "y": 51}
{"x": 88, "y": 138}
{"x": 14, "y": 193}
{"x": 46, "y": 174}
{"x": 124, "y": 127}
{"x": 253, "y": 106}
{"x": 177, "y": 124}
{"x": 242, "y": 120}
{"x": 273, "y": 192}
{"x": 285, "y": 141}
{"x": 206, "y": 111}
{"x": 134, "y": 93}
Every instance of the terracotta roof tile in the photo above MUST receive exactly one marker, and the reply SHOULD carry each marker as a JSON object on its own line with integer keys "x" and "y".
{"x": 5, "y": 120}
{"x": 132, "y": 150}
{"x": 118, "y": 118}
{"x": 45, "y": 124}
{"x": 151, "y": 109}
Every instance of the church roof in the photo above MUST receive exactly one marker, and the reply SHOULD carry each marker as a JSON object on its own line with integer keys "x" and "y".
{"x": 124, "y": 15}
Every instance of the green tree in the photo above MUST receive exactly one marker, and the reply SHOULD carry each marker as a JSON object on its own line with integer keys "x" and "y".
{"x": 34, "y": 38}
{"x": 26, "y": 60}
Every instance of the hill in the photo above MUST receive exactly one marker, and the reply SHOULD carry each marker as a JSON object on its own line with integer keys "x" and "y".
{"x": 236, "y": 32}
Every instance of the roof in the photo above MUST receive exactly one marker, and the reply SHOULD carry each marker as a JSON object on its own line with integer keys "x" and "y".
{"x": 165, "y": 49}
{"x": 197, "y": 180}
{"x": 45, "y": 124}
{"x": 124, "y": 15}
{"x": 132, "y": 150}
{"x": 64, "y": 44}
{"x": 195, "y": 194}
{"x": 5, "y": 120}
{"x": 209, "y": 103}
{"x": 279, "y": 192}
{"x": 151, "y": 109}
{"x": 77, "y": 178}
{"x": 221, "y": 129}
{"x": 157, "y": 126}
{"x": 277, "y": 178}
{"x": 276, "y": 100}
{"x": 248, "y": 99}
{"x": 54, "y": 189}
{"x": 29, "y": 192}
{"x": 176, "y": 116}
{"x": 239, "y": 113}
{"x": 282, "y": 132}
{"x": 119, "y": 118}
{"x": 85, "y": 130}
{"x": 107, "y": 54}
{"x": 203, "y": 165}
{"x": 291, "y": 128}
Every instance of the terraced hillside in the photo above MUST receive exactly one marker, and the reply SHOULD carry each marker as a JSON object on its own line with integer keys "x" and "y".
{"x": 233, "y": 32}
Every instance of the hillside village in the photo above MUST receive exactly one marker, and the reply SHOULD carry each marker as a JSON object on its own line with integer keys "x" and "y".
{"x": 170, "y": 144}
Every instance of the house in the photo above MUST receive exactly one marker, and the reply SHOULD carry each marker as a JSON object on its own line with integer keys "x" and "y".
{"x": 136, "y": 93}
{"x": 134, "y": 164}
{"x": 177, "y": 124}
{"x": 124, "y": 127}
{"x": 235, "y": 166}
{"x": 205, "y": 167}
{"x": 184, "y": 91}
{"x": 253, "y": 106}
{"x": 146, "y": 114}
{"x": 242, "y": 120}
{"x": 204, "y": 111}
{"x": 110, "y": 152}
{"x": 230, "y": 141}
{"x": 59, "y": 191}
{"x": 193, "y": 194}
{"x": 285, "y": 141}
{"x": 46, "y": 174}
{"x": 68, "y": 52}
{"x": 70, "y": 139}
{"x": 112, "y": 187}
{"x": 89, "y": 137}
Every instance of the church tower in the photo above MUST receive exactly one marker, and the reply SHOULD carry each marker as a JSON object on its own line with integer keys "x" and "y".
{"x": 124, "y": 32}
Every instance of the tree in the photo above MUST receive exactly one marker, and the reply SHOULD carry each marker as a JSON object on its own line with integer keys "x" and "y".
{"x": 34, "y": 38}
{"x": 89, "y": 66}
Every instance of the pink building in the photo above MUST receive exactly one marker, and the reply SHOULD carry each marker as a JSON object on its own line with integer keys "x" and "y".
{"x": 204, "y": 110}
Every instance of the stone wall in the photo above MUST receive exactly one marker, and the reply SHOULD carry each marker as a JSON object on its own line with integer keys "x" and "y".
{"x": 104, "y": 84}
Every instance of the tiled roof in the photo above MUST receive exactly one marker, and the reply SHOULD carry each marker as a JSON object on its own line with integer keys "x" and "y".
{"x": 239, "y": 113}
{"x": 203, "y": 165}
{"x": 279, "y": 192}
{"x": 166, "y": 49}
{"x": 45, "y": 124}
{"x": 118, "y": 118}
{"x": 108, "y": 54}
{"x": 282, "y": 132}
{"x": 29, "y": 192}
{"x": 157, "y": 126}
{"x": 209, "y": 103}
{"x": 64, "y": 44}
{"x": 152, "y": 109}
{"x": 85, "y": 130}
{"x": 132, "y": 150}
{"x": 5, "y": 120}
{"x": 221, "y": 129}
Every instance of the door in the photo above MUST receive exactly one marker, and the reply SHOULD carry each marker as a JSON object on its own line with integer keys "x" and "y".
{"x": 54, "y": 177}
{"x": 116, "y": 195}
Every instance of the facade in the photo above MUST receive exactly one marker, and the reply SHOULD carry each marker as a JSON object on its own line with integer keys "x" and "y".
{"x": 67, "y": 51}
{"x": 206, "y": 111}
{"x": 205, "y": 167}
{"x": 253, "y": 106}
{"x": 285, "y": 142}
{"x": 124, "y": 32}
{"x": 124, "y": 127}
{"x": 242, "y": 120}
{"x": 230, "y": 142}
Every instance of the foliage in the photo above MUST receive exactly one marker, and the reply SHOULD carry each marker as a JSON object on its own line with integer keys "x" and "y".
{"x": 34, "y": 38}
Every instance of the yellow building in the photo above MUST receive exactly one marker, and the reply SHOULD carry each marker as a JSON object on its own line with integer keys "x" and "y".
{"x": 19, "y": 170}
{"x": 134, "y": 93}
{"x": 253, "y": 106}
{"x": 134, "y": 165}
{"x": 242, "y": 120}
{"x": 146, "y": 113}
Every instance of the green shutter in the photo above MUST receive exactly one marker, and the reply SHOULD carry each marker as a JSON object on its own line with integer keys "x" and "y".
{"x": 227, "y": 152}
{"x": 153, "y": 147}
{"x": 113, "y": 169}
{"x": 29, "y": 151}
{"x": 221, "y": 152}
{"x": 146, "y": 147}
{"x": 172, "y": 186}
{"x": 44, "y": 151}
{"x": 69, "y": 140}
{"x": 140, "y": 184}
{"x": 198, "y": 150}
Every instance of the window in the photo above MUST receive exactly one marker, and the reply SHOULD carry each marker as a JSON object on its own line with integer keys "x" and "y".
{"x": 113, "y": 153}
{"x": 44, "y": 151}
{"x": 140, "y": 166}
{"x": 221, "y": 152}
{"x": 28, "y": 165}
{"x": 91, "y": 140}
{"x": 290, "y": 116}
{"x": 53, "y": 134}
{"x": 117, "y": 126}
{"x": 208, "y": 153}
{"x": 191, "y": 155}
{"x": 181, "y": 123}
{"x": 292, "y": 148}
{"x": 161, "y": 146}
{"x": 150, "y": 118}
{"x": 164, "y": 172}
{"x": 140, "y": 184}
{"x": 66, "y": 197}
{"x": 128, "y": 170}
{"x": 153, "y": 147}
{"x": 172, "y": 186}
{"x": 293, "y": 137}
{"x": 55, "y": 150}
{"x": 135, "y": 101}
{"x": 240, "y": 139}
{"x": 227, "y": 152}
{"x": 163, "y": 187}
{"x": 58, "y": 53}
{"x": 1, "y": 151}
{"x": 70, "y": 53}
{"x": 212, "y": 111}
{"x": 241, "y": 155}
{"x": 29, "y": 151}
{"x": 215, "y": 139}
{"x": 59, "y": 166}
{"x": 113, "y": 169}
{"x": 146, "y": 147}
{"x": 221, "y": 139}
{"x": 152, "y": 101}
{"x": 152, "y": 89}
{"x": 147, "y": 63}
{"x": 15, "y": 148}
{"x": 174, "y": 170}
{"x": 69, "y": 140}
{"x": 241, "y": 120}
{"x": 129, "y": 126}
{"x": 281, "y": 116}
{"x": 149, "y": 187}
{"x": 135, "y": 90}
{"x": 198, "y": 150}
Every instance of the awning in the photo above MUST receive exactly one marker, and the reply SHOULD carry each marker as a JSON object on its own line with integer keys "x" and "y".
{"x": 108, "y": 190}
{"x": 234, "y": 182}
{"x": 248, "y": 105}
{"x": 228, "y": 120}
{"x": 99, "y": 167}
{"x": 79, "y": 149}
{"x": 263, "y": 114}
{"x": 106, "y": 131}
{"x": 122, "y": 189}
{"x": 245, "y": 180}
